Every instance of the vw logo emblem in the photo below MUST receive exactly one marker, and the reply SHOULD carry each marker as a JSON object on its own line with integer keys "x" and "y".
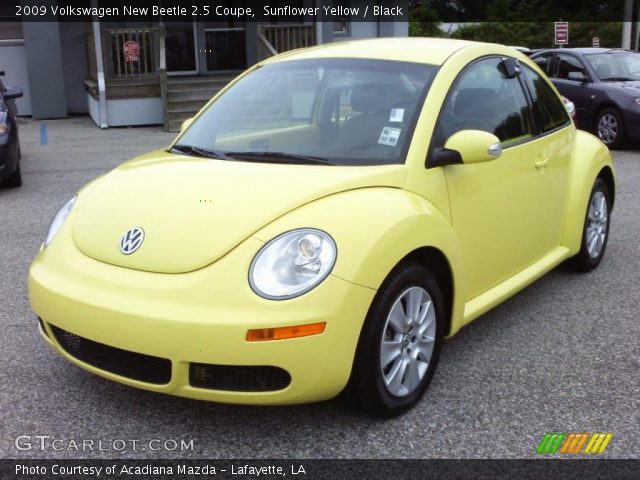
{"x": 131, "y": 240}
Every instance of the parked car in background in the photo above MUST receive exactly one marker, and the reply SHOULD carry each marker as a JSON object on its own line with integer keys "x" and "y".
{"x": 9, "y": 143}
{"x": 604, "y": 85}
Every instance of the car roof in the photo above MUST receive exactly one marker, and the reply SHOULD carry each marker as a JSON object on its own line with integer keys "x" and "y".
{"x": 433, "y": 51}
{"x": 584, "y": 50}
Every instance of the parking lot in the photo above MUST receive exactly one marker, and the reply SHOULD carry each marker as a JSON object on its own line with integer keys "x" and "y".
{"x": 563, "y": 355}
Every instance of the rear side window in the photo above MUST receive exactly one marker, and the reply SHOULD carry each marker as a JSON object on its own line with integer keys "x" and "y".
{"x": 547, "y": 106}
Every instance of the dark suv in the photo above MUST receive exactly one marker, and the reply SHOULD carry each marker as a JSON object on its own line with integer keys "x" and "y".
{"x": 9, "y": 144}
{"x": 604, "y": 85}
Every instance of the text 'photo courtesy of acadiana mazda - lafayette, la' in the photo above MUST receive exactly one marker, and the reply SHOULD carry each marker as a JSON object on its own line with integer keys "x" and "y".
{"x": 604, "y": 86}
{"x": 323, "y": 224}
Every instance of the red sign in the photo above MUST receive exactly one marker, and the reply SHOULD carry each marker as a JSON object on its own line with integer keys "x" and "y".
{"x": 131, "y": 50}
{"x": 595, "y": 42}
{"x": 562, "y": 33}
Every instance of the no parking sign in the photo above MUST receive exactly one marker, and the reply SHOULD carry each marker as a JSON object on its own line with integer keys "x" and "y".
{"x": 131, "y": 50}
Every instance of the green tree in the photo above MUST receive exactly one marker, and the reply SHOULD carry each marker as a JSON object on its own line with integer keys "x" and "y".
{"x": 541, "y": 34}
{"x": 423, "y": 22}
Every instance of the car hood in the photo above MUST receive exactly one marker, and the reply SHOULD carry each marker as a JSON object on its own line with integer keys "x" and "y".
{"x": 630, "y": 86}
{"x": 194, "y": 210}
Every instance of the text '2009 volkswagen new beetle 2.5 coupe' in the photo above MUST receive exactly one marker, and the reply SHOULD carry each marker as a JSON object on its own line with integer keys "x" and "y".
{"x": 323, "y": 224}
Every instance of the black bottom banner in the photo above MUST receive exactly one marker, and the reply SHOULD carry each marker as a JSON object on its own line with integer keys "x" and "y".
{"x": 318, "y": 469}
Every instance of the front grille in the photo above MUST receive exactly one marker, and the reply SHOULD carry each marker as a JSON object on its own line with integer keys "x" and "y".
{"x": 137, "y": 366}
{"x": 238, "y": 378}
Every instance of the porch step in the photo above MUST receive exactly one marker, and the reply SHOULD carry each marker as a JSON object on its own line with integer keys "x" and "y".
{"x": 192, "y": 95}
{"x": 187, "y": 95}
{"x": 188, "y": 106}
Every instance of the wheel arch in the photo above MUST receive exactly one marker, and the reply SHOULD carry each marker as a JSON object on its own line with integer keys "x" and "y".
{"x": 607, "y": 103}
{"x": 436, "y": 261}
{"x": 606, "y": 174}
{"x": 591, "y": 160}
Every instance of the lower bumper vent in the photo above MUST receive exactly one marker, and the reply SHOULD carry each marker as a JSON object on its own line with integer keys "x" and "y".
{"x": 238, "y": 378}
{"x": 136, "y": 366}
{"x": 44, "y": 330}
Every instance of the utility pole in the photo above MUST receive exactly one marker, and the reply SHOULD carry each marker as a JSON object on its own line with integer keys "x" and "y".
{"x": 637, "y": 39}
{"x": 626, "y": 24}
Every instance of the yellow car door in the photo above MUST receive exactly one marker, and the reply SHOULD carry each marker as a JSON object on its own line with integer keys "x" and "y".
{"x": 501, "y": 208}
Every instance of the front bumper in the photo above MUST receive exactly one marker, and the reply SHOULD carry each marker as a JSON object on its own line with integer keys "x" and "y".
{"x": 201, "y": 317}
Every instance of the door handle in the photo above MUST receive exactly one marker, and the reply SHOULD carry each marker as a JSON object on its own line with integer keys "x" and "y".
{"x": 541, "y": 163}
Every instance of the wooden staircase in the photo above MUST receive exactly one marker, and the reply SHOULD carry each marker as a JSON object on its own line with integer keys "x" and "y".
{"x": 187, "y": 95}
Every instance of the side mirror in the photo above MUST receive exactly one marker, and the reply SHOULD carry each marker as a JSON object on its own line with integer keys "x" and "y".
{"x": 12, "y": 92}
{"x": 184, "y": 125}
{"x": 468, "y": 146}
{"x": 577, "y": 77}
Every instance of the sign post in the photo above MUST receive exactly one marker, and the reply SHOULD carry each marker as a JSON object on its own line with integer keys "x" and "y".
{"x": 562, "y": 33}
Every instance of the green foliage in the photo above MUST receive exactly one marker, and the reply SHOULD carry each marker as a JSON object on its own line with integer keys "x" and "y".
{"x": 423, "y": 22}
{"x": 541, "y": 34}
{"x": 528, "y": 23}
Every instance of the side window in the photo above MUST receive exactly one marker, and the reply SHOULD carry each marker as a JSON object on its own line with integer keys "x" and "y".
{"x": 544, "y": 62}
{"x": 483, "y": 98}
{"x": 569, "y": 63}
{"x": 547, "y": 106}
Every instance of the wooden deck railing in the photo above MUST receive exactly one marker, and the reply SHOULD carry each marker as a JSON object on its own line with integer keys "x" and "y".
{"x": 274, "y": 39}
{"x": 143, "y": 65}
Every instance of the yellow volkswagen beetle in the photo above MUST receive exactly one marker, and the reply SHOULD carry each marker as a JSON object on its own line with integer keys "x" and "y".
{"x": 324, "y": 223}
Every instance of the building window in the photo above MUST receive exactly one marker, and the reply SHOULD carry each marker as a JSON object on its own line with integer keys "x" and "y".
{"x": 342, "y": 24}
{"x": 11, "y": 31}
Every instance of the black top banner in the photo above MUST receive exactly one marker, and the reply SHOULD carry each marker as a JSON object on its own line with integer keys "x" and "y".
{"x": 268, "y": 11}
{"x": 296, "y": 11}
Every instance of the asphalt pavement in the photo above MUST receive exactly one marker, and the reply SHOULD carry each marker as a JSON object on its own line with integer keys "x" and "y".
{"x": 562, "y": 356}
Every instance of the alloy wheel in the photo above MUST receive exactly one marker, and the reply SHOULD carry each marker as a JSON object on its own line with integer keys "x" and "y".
{"x": 608, "y": 128}
{"x": 408, "y": 341}
{"x": 597, "y": 219}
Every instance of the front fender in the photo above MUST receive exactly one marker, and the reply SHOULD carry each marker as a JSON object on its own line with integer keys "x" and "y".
{"x": 590, "y": 158}
{"x": 374, "y": 229}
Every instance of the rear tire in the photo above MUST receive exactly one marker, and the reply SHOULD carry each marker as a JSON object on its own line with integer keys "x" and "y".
{"x": 400, "y": 343}
{"x": 595, "y": 232}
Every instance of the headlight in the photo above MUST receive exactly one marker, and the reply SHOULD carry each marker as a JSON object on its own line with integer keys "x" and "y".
{"x": 4, "y": 128}
{"x": 637, "y": 101}
{"x": 58, "y": 220}
{"x": 292, "y": 264}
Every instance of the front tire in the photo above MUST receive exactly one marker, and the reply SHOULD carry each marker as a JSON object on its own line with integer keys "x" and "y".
{"x": 610, "y": 128}
{"x": 15, "y": 179}
{"x": 400, "y": 342}
{"x": 595, "y": 232}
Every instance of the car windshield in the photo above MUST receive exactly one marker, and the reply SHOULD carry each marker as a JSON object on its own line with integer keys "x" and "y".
{"x": 325, "y": 111}
{"x": 616, "y": 65}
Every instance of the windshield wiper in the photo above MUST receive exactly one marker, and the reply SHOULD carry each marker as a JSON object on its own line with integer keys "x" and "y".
{"x": 617, "y": 79}
{"x": 278, "y": 157}
{"x": 200, "y": 152}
